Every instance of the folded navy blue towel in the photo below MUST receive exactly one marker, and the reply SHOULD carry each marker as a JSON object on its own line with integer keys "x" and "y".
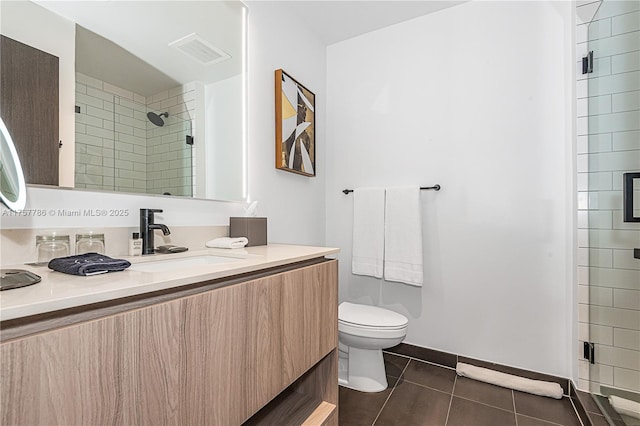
{"x": 88, "y": 264}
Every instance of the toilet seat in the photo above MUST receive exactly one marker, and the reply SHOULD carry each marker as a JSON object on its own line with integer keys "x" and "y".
{"x": 370, "y": 316}
{"x": 372, "y": 332}
{"x": 370, "y": 321}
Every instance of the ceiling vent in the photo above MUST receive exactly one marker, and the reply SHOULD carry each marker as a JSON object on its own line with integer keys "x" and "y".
{"x": 199, "y": 49}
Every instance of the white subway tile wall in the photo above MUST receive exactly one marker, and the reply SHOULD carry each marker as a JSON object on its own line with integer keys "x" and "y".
{"x": 608, "y": 145}
{"x": 119, "y": 149}
{"x": 170, "y": 159}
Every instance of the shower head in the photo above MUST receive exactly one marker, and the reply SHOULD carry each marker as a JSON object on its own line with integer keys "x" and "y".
{"x": 157, "y": 118}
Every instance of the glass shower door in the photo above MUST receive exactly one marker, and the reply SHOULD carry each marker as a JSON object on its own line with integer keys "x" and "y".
{"x": 170, "y": 154}
{"x": 613, "y": 151}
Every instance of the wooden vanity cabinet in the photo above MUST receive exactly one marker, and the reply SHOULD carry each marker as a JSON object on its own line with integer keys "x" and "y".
{"x": 213, "y": 358}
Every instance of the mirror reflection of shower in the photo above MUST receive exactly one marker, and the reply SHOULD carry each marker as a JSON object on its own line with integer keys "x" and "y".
{"x": 157, "y": 118}
{"x": 132, "y": 143}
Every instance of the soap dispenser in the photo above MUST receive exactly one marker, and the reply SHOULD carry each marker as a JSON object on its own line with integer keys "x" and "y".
{"x": 135, "y": 245}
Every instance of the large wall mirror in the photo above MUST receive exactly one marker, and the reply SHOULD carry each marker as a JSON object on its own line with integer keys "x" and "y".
{"x": 152, "y": 94}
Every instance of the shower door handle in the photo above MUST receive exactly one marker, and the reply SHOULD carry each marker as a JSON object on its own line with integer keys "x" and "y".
{"x": 627, "y": 195}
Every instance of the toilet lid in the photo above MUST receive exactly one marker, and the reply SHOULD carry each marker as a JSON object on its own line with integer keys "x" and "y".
{"x": 370, "y": 316}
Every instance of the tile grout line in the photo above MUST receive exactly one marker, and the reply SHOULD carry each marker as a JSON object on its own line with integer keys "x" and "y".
{"x": 455, "y": 380}
{"x": 622, "y": 111}
{"x": 609, "y": 36}
{"x": 586, "y": 4}
{"x": 390, "y": 393}
{"x": 542, "y": 420}
{"x": 575, "y": 411}
{"x": 457, "y": 396}
{"x": 513, "y": 401}
{"x": 611, "y": 106}
{"x": 433, "y": 389}
{"x": 485, "y": 404}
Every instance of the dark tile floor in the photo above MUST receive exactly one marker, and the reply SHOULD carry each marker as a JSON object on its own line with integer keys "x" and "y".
{"x": 590, "y": 406}
{"x": 596, "y": 415}
{"x": 420, "y": 393}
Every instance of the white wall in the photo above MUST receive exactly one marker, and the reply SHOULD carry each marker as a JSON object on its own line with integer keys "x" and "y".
{"x": 477, "y": 99}
{"x": 294, "y": 204}
{"x": 224, "y": 139}
{"x": 31, "y": 24}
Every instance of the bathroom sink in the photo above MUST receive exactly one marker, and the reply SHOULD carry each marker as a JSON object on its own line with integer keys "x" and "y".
{"x": 162, "y": 265}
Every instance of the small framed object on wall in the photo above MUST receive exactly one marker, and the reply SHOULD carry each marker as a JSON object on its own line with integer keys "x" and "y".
{"x": 295, "y": 126}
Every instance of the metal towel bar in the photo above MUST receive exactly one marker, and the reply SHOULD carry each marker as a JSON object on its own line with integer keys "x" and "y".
{"x": 435, "y": 187}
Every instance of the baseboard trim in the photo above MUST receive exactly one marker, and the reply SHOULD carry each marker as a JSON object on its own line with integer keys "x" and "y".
{"x": 433, "y": 356}
{"x": 450, "y": 360}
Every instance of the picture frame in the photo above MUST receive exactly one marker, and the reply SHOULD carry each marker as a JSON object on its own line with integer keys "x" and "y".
{"x": 295, "y": 126}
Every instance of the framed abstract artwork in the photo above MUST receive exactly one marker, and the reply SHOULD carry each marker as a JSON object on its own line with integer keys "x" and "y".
{"x": 295, "y": 126}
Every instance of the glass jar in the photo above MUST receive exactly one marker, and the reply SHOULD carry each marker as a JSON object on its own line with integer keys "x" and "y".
{"x": 89, "y": 243}
{"x": 51, "y": 246}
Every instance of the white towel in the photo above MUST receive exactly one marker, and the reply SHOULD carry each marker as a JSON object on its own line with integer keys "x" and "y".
{"x": 368, "y": 232}
{"x": 228, "y": 243}
{"x": 403, "y": 236}
{"x": 625, "y": 406}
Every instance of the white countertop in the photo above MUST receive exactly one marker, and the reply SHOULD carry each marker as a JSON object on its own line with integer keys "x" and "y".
{"x": 60, "y": 291}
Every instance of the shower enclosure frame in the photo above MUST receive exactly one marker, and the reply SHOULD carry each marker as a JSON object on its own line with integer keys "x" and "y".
{"x": 608, "y": 132}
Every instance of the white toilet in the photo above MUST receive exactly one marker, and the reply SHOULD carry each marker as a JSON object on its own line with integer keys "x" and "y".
{"x": 363, "y": 331}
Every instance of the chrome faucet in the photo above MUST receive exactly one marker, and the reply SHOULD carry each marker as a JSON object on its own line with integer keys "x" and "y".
{"x": 147, "y": 227}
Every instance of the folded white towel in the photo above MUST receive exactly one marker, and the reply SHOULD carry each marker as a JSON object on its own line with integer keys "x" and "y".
{"x": 625, "y": 406}
{"x": 536, "y": 387}
{"x": 227, "y": 243}
{"x": 403, "y": 236}
{"x": 368, "y": 232}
